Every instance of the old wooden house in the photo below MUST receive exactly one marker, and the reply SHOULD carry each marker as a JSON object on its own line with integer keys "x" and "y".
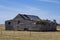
{"x": 29, "y": 22}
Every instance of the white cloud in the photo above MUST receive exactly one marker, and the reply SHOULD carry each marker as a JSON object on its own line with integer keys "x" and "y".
{"x": 23, "y": 10}
{"x": 52, "y": 1}
{"x": 9, "y": 12}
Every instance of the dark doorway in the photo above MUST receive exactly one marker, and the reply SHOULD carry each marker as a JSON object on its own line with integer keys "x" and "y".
{"x": 25, "y": 29}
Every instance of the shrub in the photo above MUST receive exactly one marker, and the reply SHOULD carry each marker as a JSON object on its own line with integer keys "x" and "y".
{"x": 42, "y": 22}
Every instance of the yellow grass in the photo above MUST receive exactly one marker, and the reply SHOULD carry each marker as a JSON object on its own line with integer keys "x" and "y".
{"x": 24, "y": 35}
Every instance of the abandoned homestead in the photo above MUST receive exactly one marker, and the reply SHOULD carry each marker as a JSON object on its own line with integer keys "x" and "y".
{"x": 30, "y": 22}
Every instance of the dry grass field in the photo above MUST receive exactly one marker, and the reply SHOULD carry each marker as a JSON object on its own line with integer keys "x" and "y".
{"x": 24, "y": 35}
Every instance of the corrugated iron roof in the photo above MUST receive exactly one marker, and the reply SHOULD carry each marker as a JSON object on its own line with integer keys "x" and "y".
{"x": 28, "y": 17}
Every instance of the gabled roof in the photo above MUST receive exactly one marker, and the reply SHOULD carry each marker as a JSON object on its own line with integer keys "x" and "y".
{"x": 28, "y": 17}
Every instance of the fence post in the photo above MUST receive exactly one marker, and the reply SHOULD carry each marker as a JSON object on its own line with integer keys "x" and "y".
{"x": 30, "y": 33}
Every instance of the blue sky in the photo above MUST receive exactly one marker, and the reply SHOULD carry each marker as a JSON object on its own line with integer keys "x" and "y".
{"x": 45, "y": 9}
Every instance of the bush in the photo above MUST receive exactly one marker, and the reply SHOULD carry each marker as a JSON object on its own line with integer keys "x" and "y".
{"x": 42, "y": 22}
